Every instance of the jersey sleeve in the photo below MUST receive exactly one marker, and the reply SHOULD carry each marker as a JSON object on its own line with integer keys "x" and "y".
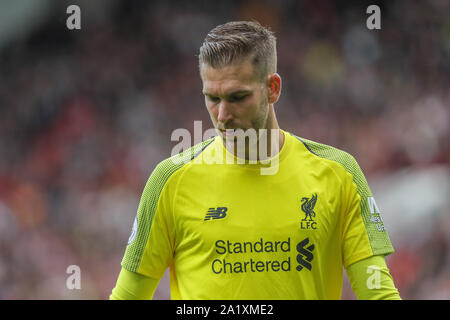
{"x": 151, "y": 244}
{"x": 133, "y": 286}
{"x": 364, "y": 233}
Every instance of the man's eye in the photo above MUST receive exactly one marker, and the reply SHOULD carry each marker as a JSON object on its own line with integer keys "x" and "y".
{"x": 213, "y": 99}
{"x": 237, "y": 98}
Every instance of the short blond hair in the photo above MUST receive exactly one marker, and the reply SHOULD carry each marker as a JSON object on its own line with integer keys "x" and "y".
{"x": 235, "y": 41}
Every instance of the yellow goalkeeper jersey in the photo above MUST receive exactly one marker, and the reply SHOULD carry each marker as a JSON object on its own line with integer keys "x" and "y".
{"x": 226, "y": 231}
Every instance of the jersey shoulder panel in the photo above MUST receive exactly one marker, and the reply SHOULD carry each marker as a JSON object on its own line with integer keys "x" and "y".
{"x": 333, "y": 154}
{"x": 149, "y": 202}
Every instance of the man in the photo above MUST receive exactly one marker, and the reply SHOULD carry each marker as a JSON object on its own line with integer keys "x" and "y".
{"x": 227, "y": 230}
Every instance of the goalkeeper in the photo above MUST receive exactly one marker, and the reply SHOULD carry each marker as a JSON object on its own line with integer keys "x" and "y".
{"x": 283, "y": 225}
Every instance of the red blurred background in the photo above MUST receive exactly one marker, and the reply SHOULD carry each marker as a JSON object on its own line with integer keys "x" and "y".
{"x": 87, "y": 114}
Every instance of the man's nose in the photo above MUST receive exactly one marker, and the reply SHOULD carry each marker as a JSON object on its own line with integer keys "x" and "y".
{"x": 225, "y": 114}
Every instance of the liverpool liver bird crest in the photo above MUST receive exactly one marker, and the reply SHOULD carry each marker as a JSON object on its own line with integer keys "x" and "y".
{"x": 308, "y": 207}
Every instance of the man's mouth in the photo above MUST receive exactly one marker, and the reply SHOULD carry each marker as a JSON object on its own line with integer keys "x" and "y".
{"x": 233, "y": 133}
{"x": 228, "y": 132}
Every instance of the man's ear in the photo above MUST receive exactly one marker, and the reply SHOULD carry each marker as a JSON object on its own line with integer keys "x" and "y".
{"x": 273, "y": 87}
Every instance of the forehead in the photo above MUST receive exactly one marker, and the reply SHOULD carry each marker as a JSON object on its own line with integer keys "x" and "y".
{"x": 220, "y": 81}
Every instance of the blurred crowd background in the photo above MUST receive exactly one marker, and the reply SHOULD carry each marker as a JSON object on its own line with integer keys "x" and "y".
{"x": 85, "y": 115}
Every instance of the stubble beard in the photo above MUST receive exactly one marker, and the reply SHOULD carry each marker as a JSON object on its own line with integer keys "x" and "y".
{"x": 250, "y": 146}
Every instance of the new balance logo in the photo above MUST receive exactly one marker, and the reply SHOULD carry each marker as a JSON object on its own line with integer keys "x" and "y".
{"x": 216, "y": 213}
{"x": 305, "y": 255}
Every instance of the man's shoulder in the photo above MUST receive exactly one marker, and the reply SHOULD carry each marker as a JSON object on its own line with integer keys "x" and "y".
{"x": 168, "y": 166}
{"x": 330, "y": 153}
